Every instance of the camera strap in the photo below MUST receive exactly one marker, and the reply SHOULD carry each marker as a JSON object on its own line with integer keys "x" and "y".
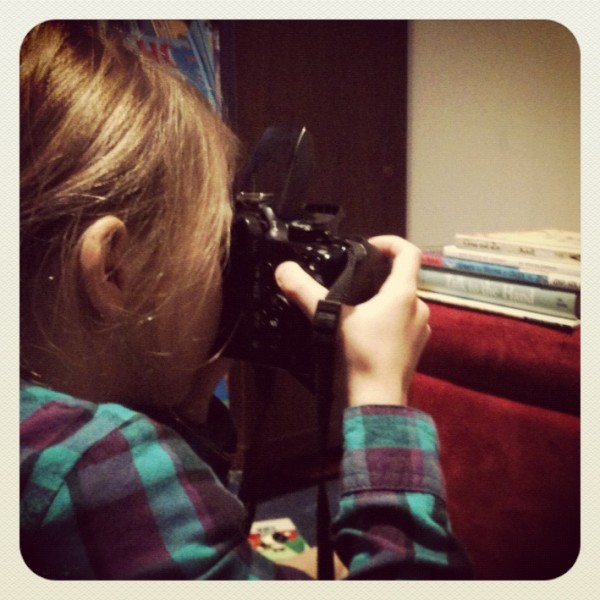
{"x": 325, "y": 327}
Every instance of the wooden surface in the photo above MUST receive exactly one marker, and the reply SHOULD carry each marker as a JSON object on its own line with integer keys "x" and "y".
{"x": 346, "y": 82}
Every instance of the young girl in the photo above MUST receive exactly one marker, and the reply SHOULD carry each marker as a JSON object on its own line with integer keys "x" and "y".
{"x": 125, "y": 218}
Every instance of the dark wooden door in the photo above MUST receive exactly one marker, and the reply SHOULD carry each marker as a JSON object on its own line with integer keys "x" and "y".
{"x": 345, "y": 81}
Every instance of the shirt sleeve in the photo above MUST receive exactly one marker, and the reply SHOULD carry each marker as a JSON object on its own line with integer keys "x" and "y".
{"x": 140, "y": 504}
{"x": 392, "y": 521}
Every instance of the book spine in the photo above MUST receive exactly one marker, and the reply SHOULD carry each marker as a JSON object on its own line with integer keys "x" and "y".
{"x": 514, "y": 260}
{"x": 567, "y": 323}
{"x": 553, "y": 280}
{"x": 475, "y": 242}
{"x": 200, "y": 38}
{"x": 538, "y": 299}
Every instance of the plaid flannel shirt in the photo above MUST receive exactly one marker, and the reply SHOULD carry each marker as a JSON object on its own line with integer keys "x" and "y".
{"x": 108, "y": 493}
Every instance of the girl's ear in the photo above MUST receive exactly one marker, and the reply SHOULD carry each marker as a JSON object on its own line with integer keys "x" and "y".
{"x": 103, "y": 265}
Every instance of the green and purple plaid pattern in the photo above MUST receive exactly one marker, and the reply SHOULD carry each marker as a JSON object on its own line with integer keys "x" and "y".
{"x": 107, "y": 493}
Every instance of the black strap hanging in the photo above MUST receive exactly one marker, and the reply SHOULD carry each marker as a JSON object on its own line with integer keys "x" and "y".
{"x": 325, "y": 326}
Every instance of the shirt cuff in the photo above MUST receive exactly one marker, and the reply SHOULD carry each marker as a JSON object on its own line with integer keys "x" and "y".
{"x": 392, "y": 449}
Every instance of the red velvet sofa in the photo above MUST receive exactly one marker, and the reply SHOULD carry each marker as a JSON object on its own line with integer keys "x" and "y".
{"x": 505, "y": 395}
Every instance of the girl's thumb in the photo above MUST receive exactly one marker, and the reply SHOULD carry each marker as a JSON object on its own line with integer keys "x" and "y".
{"x": 299, "y": 287}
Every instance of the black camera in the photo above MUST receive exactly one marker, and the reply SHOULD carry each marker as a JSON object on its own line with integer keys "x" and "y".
{"x": 272, "y": 225}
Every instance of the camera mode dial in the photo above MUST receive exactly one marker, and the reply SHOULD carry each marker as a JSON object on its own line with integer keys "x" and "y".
{"x": 304, "y": 232}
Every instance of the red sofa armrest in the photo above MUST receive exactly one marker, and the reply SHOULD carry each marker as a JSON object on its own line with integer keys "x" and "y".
{"x": 522, "y": 361}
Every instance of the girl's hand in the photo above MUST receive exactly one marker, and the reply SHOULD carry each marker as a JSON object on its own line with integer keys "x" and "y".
{"x": 381, "y": 340}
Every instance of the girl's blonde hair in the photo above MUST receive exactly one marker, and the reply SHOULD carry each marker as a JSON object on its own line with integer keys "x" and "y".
{"x": 105, "y": 131}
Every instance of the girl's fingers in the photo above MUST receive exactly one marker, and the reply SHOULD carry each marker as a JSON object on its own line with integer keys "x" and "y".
{"x": 405, "y": 265}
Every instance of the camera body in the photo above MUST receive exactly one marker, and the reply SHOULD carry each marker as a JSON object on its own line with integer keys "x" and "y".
{"x": 261, "y": 325}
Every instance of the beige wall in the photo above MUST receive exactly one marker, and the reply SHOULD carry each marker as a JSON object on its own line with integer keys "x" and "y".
{"x": 493, "y": 128}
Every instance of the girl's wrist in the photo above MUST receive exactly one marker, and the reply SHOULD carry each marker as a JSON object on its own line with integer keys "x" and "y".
{"x": 369, "y": 391}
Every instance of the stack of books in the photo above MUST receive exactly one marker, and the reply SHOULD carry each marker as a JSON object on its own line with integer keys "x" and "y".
{"x": 531, "y": 275}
